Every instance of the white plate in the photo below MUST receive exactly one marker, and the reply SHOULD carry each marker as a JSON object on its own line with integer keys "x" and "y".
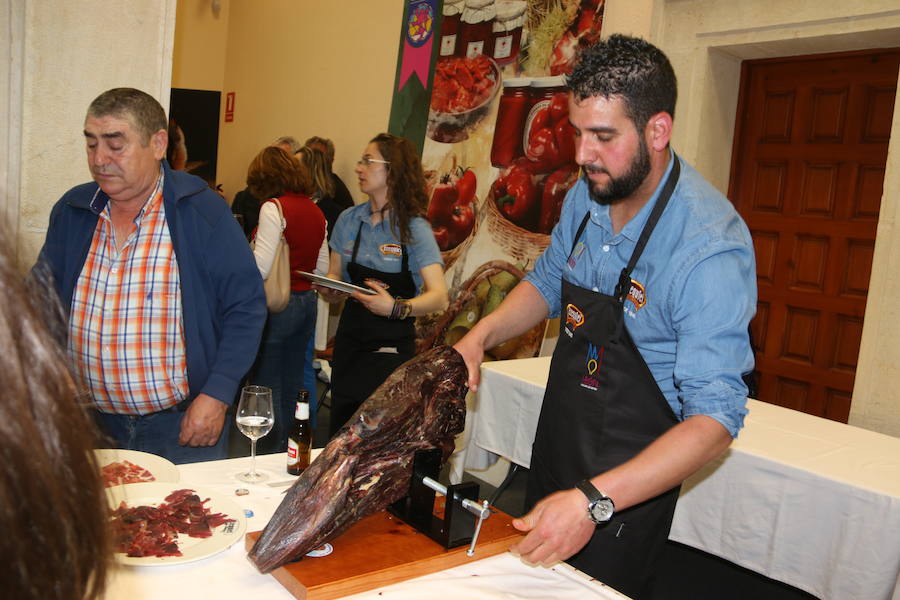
{"x": 162, "y": 469}
{"x": 153, "y": 494}
{"x": 335, "y": 284}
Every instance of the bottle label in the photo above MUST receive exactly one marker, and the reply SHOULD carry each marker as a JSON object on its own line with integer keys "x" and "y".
{"x": 533, "y": 122}
{"x": 302, "y": 411}
{"x": 503, "y": 46}
{"x": 292, "y": 452}
{"x": 448, "y": 45}
{"x": 473, "y": 49}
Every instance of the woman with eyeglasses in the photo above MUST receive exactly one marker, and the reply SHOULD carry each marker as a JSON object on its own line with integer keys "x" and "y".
{"x": 385, "y": 245}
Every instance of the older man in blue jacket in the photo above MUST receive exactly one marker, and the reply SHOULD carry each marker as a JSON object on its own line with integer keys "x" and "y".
{"x": 166, "y": 306}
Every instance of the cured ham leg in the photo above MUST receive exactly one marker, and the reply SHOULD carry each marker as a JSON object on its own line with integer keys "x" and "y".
{"x": 368, "y": 464}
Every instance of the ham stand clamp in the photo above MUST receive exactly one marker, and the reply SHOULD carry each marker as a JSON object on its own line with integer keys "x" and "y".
{"x": 457, "y": 527}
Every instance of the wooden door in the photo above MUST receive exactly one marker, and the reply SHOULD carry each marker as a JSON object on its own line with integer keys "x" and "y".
{"x": 807, "y": 170}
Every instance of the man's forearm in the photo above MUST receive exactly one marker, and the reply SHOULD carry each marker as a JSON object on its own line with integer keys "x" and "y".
{"x": 521, "y": 310}
{"x": 665, "y": 463}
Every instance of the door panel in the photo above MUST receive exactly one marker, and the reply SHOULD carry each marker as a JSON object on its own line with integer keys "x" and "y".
{"x": 807, "y": 176}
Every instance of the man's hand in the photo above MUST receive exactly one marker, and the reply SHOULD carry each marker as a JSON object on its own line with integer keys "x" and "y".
{"x": 202, "y": 422}
{"x": 558, "y": 527}
{"x": 472, "y": 350}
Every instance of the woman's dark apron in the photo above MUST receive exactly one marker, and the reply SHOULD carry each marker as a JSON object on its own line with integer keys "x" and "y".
{"x": 368, "y": 347}
{"x": 602, "y": 407}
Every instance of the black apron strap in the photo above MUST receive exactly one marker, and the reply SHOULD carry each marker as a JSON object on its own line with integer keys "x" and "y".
{"x": 624, "y": 285}
{"x": 356, "y": 243}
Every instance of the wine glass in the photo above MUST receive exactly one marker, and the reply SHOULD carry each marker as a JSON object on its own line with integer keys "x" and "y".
{"x": 254, "y": 419}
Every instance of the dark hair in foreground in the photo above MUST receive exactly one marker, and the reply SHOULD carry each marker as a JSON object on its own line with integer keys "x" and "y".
{"x": 628, "y": 68}
{"x": 53, "y": 514}
{"x": 139, "y": 108}
{"x": 405, "y": 181}
{"x": 274, "y": 172}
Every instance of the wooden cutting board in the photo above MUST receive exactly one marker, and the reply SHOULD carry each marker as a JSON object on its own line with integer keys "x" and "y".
{"x": 380, "y": 550}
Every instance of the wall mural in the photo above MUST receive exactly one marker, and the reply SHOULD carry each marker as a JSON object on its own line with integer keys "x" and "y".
{"x": 497, "y": 146}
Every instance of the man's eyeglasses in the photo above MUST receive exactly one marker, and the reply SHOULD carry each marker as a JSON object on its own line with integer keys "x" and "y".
{"x": 365, "y": 161}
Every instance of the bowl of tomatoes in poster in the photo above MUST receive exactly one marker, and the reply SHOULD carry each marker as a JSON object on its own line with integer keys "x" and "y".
{"x": 462, "y": 92}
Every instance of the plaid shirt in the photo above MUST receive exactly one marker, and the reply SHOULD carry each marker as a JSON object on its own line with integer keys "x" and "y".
{"x": 126, "y": 335}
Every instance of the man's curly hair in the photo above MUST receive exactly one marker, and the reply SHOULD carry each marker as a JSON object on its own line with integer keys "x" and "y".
{"x": 629, "y": 68}
{"x": 405, "y": 181}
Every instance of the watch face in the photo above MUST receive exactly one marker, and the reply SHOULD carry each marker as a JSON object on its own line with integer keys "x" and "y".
{"x": 602, "y": 510}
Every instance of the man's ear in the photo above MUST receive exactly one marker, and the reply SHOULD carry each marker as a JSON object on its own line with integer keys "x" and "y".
{"x": 159, "y": 141}
{"x": 659, "y": 131}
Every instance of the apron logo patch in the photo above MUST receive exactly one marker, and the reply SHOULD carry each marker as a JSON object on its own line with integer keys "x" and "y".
{"x": 574, "y": 318}
{"x": 577, "y": 252}
{"x": 637, "y": 295}
{"x": 391, "y": 250}
{"x": 592, "y": 364}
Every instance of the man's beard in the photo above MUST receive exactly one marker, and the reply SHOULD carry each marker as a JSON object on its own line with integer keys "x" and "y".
{"x": 620, "y": 187}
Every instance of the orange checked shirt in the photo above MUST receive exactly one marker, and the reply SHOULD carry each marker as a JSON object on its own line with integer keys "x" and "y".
{"x": 126, "y": 335}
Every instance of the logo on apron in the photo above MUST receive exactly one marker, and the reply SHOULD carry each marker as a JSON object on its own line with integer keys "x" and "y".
{"x": 637, "y": 294}
{"x": 574, "y": 318}
{"x": 391, "y": 250}
{"x": 592, "y": 364}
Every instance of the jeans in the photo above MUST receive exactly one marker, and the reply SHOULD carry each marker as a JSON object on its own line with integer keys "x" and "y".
{"x": 157, "y": 433}
{"x": 281, "y": 364}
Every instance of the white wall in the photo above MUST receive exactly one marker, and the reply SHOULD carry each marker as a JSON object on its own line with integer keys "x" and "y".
{"x": 71, "y": 52}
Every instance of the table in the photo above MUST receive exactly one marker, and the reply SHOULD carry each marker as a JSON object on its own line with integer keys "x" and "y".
{"x": 800, "y": 499}
{"x": 230, "y": 575}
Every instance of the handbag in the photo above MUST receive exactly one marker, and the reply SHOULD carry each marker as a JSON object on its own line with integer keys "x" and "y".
{"x": 278, "y": 284}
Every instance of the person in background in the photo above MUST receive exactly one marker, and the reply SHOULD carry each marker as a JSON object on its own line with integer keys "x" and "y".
{"x": 176, "y": 152}
{"x": 323, "y": 185}
{"x": 166, "y": 306}
{"x": 56, "y": 538}
{"x": 385, "y": 245}
{"x": 245, "y": 204}
{"x": 283, "y": 361}
{"x": 315, "y": 162}
{"x": 645, "y": 382}
{"x": 340, "y": 194}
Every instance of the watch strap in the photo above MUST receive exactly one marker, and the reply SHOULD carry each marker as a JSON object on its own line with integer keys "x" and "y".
{"x": 588, "y": 489}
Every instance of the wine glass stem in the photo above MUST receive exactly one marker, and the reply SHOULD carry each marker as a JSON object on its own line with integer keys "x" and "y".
{"x": 253, "y": 458}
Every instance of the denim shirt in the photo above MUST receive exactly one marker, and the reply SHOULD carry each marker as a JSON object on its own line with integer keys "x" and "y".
{"x": 379, "y": 247}
{"x": 693, "y": 290}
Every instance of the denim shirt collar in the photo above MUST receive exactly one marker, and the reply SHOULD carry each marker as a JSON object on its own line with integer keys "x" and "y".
{"x": 632, "y": 230}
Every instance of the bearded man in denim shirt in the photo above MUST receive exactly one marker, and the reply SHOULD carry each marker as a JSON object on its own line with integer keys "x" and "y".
{"x": 652, "y": 274}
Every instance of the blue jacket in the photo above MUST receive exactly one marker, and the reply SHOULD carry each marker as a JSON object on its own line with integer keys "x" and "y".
{"x": 223, "y": 302}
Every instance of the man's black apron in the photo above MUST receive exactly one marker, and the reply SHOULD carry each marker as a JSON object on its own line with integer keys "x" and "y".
{"x": 602, "y": 407}
{"x": 368, "y": 347}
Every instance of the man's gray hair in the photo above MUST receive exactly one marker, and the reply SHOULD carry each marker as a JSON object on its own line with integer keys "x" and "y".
{"x": 286, "y": 140}
{"x": 138, "y": 108}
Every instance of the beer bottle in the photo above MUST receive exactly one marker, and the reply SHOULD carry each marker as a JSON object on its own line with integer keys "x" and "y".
{"x": 300, "y": 438}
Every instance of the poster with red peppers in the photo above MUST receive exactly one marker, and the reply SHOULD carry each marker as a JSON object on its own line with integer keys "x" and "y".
{"x": 499, "y": 152}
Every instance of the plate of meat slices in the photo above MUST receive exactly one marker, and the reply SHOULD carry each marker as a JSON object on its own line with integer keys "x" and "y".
{"x": 120, "y": 467}
{"x": 158, "y": 524}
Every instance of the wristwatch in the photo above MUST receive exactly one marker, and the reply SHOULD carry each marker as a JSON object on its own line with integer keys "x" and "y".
{"x": 600, "y": 506}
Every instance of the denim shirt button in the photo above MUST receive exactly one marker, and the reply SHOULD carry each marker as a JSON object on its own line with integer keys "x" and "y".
{"x": 605, "y": 249}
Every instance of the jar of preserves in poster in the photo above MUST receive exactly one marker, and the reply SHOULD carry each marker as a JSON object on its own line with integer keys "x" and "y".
{"x": 514, "y": 104}
{"x": 508, "y": 25}
{"x": 475, "y": 28}
{"x": 450, "y": 26}
{"x": 542, "y": 91}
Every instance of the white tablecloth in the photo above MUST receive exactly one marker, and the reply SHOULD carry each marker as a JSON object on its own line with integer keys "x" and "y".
{"x": 230, "y": 575}
{"x": 804, "y": 500}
